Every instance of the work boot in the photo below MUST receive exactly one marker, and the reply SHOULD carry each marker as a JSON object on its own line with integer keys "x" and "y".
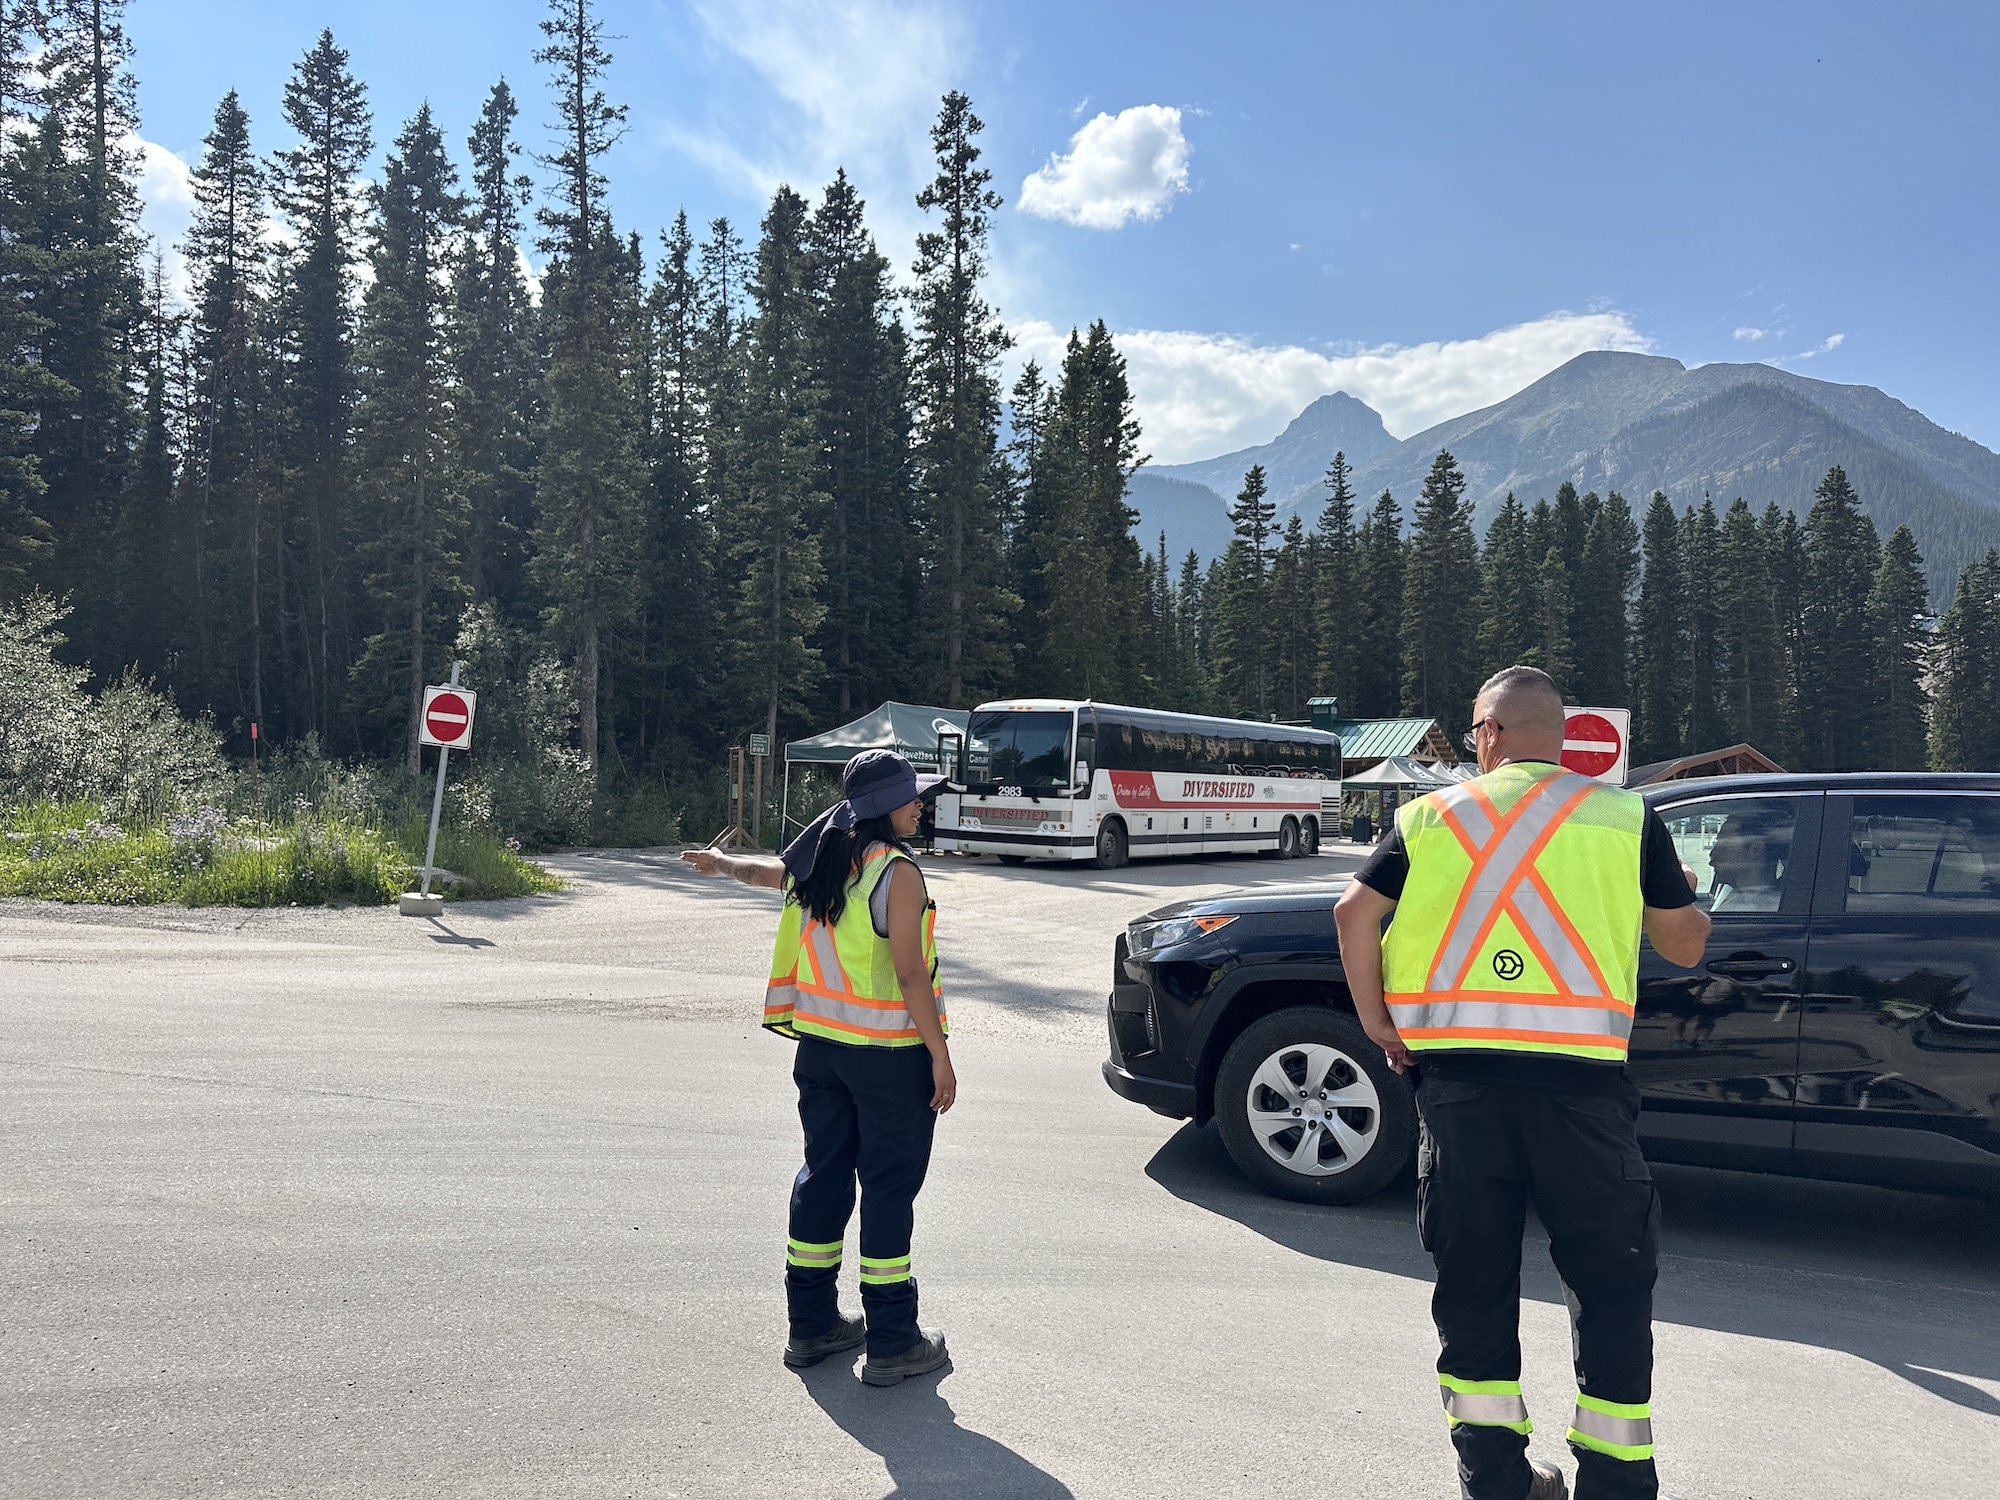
{"x": 928, "y": 1353}
{"x": 1549, "y": 1483}
{"x": 801, "y": 1353}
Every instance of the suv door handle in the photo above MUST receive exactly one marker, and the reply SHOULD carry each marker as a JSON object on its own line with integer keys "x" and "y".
{"x": 1750, "y": 966}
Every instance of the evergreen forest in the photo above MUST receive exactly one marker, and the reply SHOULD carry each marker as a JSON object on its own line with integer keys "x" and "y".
{"x": 686, "y": 482}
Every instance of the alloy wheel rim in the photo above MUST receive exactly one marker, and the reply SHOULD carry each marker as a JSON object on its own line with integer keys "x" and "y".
{"x": 1313, "y": 1110}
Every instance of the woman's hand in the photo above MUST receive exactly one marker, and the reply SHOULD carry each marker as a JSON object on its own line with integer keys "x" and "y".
{"x": 705, "y": 861}
{"x": 944, "y": 1082}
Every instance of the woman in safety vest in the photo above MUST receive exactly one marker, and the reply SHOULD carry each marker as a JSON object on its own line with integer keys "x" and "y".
{"x": 854, "y": 979}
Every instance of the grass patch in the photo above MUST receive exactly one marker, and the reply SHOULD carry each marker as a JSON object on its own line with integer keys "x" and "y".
{"x": 72, "y": 852}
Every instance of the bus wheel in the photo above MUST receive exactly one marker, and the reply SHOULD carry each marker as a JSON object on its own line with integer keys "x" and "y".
{"x": 1309, "y": 837}
{"x": 1110, "y": 845}
{"x": 1288, "y": 839}
{"x": 1013, "y": 859}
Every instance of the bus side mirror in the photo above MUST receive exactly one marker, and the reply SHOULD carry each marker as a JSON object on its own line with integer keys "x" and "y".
{"x": 1082, "y": 773}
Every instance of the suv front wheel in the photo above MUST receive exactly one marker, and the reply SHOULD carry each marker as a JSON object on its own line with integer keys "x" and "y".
{"x": 1309, "y": 1109}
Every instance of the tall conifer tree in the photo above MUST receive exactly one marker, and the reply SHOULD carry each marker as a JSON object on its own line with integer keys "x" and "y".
{"x": 1703, "y": 720}
{"x": 1511, "y": 623}
{"x": 1660, "y": 641}
{"x": 1600, "y": 638}
{"x": 1965, "y": 682}
{"x": 961, "y": 477}
{"x": 1836, "y": 645}
{"x": 1749, "y": 653}
{"x": 1378, "y": 654}
{"x": 1441, "y": 599}
{"x": 1898, "y": 607}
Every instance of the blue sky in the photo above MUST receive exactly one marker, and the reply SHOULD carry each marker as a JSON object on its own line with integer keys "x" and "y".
{"x": 1428, "y": 205}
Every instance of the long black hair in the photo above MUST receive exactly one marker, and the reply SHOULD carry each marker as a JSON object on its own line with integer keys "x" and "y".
{"x": 823, "y": 893}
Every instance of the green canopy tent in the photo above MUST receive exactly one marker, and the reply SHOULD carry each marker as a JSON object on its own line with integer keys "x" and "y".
{"x": 911, "y": 729}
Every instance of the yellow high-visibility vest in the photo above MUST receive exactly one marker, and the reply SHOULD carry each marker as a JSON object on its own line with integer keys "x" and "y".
{"x": 839, "y": 982}
{"x": 1518, "y": 926}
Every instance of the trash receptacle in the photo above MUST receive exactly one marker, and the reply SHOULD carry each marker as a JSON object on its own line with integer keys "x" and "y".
{"x": 1363, "y": 828}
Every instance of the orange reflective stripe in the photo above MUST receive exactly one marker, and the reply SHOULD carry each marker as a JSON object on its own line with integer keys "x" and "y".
{"x": 1576, "y": 941}
{"x": 1506, "y": 1034}
{"x": 1515, "y": 997}
{"x": 1503, "y": 901}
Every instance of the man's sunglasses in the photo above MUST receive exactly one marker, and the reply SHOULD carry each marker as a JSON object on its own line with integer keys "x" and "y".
{"x": 1471, "y": 740}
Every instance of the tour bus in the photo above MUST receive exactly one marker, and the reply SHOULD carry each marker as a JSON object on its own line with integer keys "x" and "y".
{"x": 1059, "y": 778}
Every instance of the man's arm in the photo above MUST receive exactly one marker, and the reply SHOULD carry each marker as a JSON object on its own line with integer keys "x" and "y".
{"x": 1358, "y": 915}
{"x": 752, "y": 869}
{"x": 1679, "y": 935}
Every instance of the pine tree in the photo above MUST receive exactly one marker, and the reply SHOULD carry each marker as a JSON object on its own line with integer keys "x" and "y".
{"x": 1660, "y": 644}
{"x": 1836, "y": 659}
{"x": 1378, "y": 664}
{"x": 1703, "y": 719}
{"x": 1898, "y": 609}
{"x": 1601, "y": 594}
{"x": 91, "y": 293}
{"x": 777, "y": 551}
{"x": 860, "y": 364}
{"x": 221, "y": 481}
{"x": 415, "y": 580}
{"x": 25, "y": 383}
{"x": 961, "y": 476}
{"x": 1749, "y": 653}
{"x": 496, "y": 363}
{"x": 1441, "y": 599}
{"x": 1088, "y": 641}
{"x": 1238, "y": 593}
{"x": 1511, "y": 617}
{"x": 1030, "y": 409}
{"x": 317, "y": 186}
{"x": 1554, "y": 650}
{"x": 588, "y": 476}
{"x": 1338, "y": 585}
{"x": 1784, "y": 549}
{"x": 1295, "y": 640}
{"x": 1965, "y": 674}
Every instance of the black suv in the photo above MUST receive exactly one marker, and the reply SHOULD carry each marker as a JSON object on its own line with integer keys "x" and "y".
{"x": 1844, "y": 1022}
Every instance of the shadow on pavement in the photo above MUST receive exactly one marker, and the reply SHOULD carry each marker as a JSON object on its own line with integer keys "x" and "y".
{"x": 1906, "y": 1281}
{"x": 913, "y": 1429}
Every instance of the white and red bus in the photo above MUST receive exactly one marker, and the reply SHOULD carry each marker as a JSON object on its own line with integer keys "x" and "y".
{"x": 1059, "y": 778}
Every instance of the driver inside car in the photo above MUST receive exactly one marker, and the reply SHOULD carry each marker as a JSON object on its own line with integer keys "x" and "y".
{"x": 1747, "y": 859}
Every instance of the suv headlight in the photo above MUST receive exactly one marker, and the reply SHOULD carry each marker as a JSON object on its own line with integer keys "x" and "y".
{"x": 1143, "y": 936}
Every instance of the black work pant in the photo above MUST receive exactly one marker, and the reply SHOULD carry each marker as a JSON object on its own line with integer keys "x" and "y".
{"x": 1486, "y": 1152}
{"x": 868, "y": 1122}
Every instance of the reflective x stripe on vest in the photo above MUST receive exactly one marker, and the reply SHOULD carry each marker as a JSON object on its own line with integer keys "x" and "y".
{"x": 839, "y": 982}
{"x": 1518, "y": 926}
{"x": 1485, "y": 1403}
{"x": 1610, "y": 1427}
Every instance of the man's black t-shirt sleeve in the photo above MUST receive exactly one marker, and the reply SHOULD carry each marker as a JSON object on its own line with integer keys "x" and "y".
{"x": 1661, "y": 883}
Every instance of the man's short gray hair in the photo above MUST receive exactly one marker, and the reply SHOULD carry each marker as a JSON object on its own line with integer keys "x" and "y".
{"x": 1524, "y": 696}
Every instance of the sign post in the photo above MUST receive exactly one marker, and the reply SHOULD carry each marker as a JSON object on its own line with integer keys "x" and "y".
{"x": 735, "y": 836}
{"x": 760, "y": 751}
{"x": 446, "y": 721}
{"x": 1597, "y": 742}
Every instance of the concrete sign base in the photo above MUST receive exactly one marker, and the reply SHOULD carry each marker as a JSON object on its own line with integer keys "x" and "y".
{"x": 417, "y": 904}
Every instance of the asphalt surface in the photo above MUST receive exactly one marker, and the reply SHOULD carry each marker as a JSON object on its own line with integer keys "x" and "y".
{"x": 344, "y": 1203}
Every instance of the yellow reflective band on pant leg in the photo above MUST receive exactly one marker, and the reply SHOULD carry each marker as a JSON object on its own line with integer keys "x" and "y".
{"x": 884, "y": 1272}
{"x": 812, "y": 1256}
{"x": 1616, "y": 1429}
{"x": 1484, "y": 1403}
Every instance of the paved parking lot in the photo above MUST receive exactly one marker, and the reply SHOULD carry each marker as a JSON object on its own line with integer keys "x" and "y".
{"x": 337, "y": 1203}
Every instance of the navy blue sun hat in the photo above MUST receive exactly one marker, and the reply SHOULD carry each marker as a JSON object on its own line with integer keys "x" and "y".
{"x": 876, "y": 782}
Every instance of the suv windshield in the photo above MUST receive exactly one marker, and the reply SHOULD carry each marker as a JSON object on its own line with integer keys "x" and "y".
{"x": 1018, "y": 747}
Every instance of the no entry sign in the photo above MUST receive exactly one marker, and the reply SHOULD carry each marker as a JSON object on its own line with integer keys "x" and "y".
{"x": 1595, "y": 742}
{"x": 447, "y": 718}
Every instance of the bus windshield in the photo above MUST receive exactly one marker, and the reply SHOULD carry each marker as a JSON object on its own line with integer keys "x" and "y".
{"x": 1017, "y": 747}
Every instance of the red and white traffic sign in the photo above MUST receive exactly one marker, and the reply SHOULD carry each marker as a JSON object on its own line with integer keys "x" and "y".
{"x": 447, "y": 717}
{"x": 1596, "y": 742}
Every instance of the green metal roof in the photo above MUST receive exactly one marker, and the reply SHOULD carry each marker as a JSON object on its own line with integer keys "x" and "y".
{"x": 1377, "y": 739}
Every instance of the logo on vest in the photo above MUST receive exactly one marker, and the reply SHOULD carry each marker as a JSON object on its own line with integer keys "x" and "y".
{"x": 1508, "y": 965}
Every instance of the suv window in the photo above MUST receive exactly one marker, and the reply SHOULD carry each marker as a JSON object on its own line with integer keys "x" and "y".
{"x": 1925, "y": 854}
{"x": 1740, "y": 849}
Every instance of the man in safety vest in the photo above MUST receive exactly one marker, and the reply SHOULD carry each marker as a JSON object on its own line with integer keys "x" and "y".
{"x": 1509, "y": 976}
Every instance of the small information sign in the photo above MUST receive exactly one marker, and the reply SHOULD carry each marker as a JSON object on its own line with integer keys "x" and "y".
{"x": 760, "y": 744}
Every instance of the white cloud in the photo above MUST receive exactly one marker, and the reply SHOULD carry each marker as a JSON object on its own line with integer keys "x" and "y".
{"x": 851, "y": 83}
{"x": 166, "y": 204}
{"x": 1749, "y": 335}
{"x": 1826, "y": 346}
{"x": 1201, "y": 394}
{"x": 1118, "y": 168}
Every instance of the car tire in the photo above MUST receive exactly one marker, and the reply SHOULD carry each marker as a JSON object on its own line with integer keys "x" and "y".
{"x": 1309, "y": 837}
{"x": 1013, "y": 859}
{"x": 1288, "y": 839}
{"x": 1325, "y": 1052}
{"x": 1111, "y": 844}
